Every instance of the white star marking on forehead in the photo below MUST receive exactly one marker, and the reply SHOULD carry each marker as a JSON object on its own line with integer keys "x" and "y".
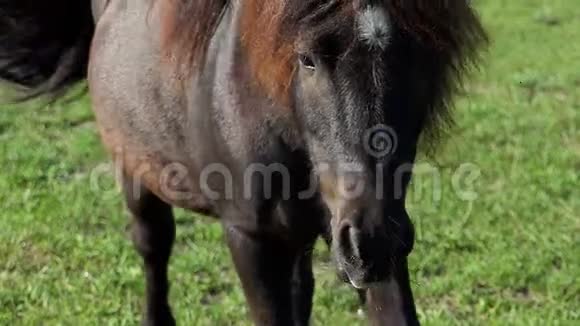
{"x": 374, "y": 26}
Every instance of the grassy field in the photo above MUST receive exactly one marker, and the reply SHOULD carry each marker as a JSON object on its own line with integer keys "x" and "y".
{"x": 507, "y": 253}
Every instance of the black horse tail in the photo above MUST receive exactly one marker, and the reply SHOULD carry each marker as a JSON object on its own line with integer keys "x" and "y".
{"x": 44, "y": 45}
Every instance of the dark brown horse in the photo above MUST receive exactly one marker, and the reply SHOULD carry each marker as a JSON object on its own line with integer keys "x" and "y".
{"x": 287, "y": 119}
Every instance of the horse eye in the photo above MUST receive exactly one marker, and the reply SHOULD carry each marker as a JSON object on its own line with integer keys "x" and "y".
{"x": 307, "y": 62}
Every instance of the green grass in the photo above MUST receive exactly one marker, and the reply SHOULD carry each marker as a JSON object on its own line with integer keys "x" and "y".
{"x": 509, "y": 255}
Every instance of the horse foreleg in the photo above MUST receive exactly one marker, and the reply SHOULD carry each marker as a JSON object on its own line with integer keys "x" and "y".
{"x": 303, "y": 288}
{"x": 391, "y": 303}
{"x": 153, "y": 232}
{"x": 265, "y": 267}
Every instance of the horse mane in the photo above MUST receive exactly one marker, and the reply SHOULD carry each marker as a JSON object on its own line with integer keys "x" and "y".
{"x": 451, "y": 34}
{"x": 447, "y": 31}
{"x": 188, "y": 26}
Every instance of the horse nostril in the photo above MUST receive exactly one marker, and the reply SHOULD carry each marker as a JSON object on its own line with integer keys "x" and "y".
{"x": 344, "y": 238}
{"x": 349, "y": 240}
